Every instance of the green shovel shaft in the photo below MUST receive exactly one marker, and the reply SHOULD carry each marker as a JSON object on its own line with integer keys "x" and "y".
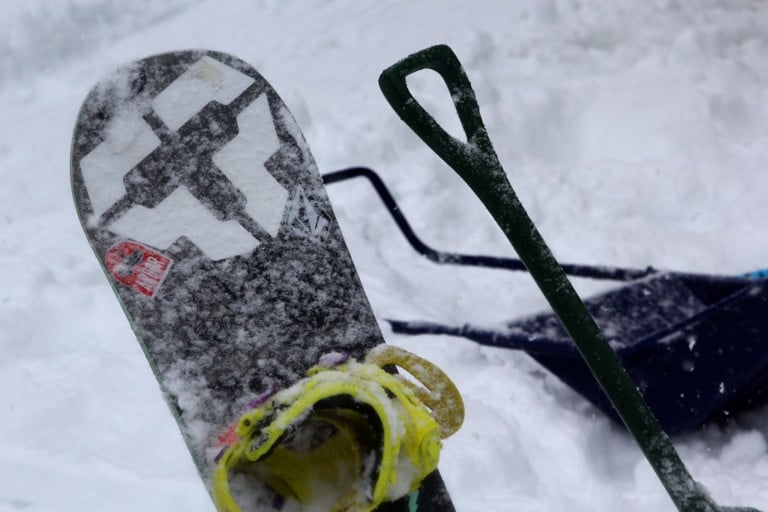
{"x": 478, "y": 165}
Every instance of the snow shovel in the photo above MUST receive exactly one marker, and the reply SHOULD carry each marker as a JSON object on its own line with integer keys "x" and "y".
{"x": 476, "y": 162}
{"x": 693, "y": 343}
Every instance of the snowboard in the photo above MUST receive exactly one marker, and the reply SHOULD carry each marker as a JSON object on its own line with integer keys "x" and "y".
{"x": 204, "y": 207}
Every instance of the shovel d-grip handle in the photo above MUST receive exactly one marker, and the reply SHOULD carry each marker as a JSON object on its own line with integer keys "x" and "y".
{"x": 474, "y": 156}
{"x": 478, "y": 165}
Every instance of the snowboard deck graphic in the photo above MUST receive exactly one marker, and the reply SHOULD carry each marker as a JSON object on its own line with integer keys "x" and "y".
{"x": 201, "y": 201}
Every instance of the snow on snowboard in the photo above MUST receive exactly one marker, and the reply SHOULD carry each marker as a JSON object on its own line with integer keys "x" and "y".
{"x": 201, "y": 201}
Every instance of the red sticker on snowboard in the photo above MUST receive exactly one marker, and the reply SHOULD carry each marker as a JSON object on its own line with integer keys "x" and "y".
{"x": 137, "y": 266}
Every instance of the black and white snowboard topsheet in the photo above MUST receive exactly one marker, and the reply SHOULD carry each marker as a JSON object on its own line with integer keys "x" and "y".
{"x": 201, "y": 201}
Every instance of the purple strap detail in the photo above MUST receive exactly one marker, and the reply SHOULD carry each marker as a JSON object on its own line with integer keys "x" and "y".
{"x": 328, "y": 360}
{"x": 219, "y": 455}
{"x": 332, "y": 359}
{"x": 259, "y": 400}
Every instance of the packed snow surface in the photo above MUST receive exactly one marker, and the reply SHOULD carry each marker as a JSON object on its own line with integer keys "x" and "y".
{"x": 636, "y": 133}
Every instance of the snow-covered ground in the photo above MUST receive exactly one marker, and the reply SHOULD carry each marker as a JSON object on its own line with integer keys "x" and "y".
{"x": 636, "y": 133}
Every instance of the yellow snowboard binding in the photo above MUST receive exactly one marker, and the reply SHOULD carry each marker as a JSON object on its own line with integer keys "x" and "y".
{"x": 348, "y": 437}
